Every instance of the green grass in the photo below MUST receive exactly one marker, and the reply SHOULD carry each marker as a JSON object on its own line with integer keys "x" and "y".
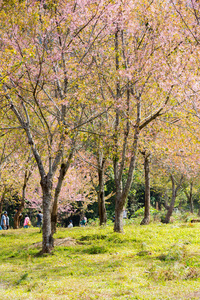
{"x": 147, "y": 262}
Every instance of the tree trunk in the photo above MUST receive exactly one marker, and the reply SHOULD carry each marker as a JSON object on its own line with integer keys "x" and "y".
{"x": 170, "y": 210}
{"x": 54, "y": 217}
{"x": 118, "y": 227}
{"x": 102, "y": 207}
{"x": 47, "y": 242}
{"x": 180, "y": 204}
{"x": 174, "y": 194}
{"x": 146, "y": 219}
{"x": 166, "y": 205}
{"x": 1, "y": 207}
{"x": 16, "y": 224}
{"x": 190, "y": 198}
{"x": 119, "y": 166}
{"x": 199, "y": 212}
{"x": 54, "y": 213}
{"x": 101, "y": 192}
{"x": 21, "y": 207}
{"x": 2, "y": 200}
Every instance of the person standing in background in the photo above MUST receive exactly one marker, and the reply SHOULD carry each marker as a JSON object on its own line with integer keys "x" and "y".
{"x": 70, "y": 224}
{"x": 7, "y": 221}
{"x": 3, "y": 220}
{"x": 27, "y": 222}
{"x": 39, "y": 219}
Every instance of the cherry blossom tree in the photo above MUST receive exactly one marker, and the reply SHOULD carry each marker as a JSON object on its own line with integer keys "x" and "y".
{"x": 42, "y": 83}
{"x": 135, "y": 76}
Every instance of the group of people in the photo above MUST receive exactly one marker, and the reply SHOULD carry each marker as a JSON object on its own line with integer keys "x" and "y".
{"x": 27, "y": 222}
{"x": 83, "y": 223}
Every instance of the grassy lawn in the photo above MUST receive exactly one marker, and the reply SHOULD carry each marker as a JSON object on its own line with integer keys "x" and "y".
{"x": 147, "y": 262}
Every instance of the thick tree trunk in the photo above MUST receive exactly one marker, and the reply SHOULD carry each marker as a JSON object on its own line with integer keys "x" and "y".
{"x": 174, "y": 194}
{"x": 17, "y": 219}
{"x": 102, "y": 208}
{"x": 146, "y": 218}
{"x": 170, "y": 210}
{"x": 47, "y": 243}
{"x": 101, "y": 192}
{"x": 118, "y": 227}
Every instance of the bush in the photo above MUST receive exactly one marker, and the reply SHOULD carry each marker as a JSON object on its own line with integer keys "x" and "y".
{"x": 95, "y": 249}
{"x": 177, "y": 252}
{"x": 153, "y": 212}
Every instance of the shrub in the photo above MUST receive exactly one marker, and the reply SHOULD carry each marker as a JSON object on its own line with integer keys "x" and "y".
{"x": 177, "y": 252}
{"x": 95, "y": 249}
{"x": 153, "y": 212}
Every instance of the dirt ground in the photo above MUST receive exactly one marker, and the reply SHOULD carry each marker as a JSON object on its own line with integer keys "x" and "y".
{"x": 58, "y": 242}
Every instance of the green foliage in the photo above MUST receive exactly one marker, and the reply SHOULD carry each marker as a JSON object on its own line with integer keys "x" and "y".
{"x": 95, "y": 249}
{"x": 140, "y": 212}
{"x": 93, "y": 237}
{"x": 176, "y": 252}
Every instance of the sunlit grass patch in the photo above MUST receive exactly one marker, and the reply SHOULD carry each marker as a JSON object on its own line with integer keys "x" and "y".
{"x": 146, "y": 262}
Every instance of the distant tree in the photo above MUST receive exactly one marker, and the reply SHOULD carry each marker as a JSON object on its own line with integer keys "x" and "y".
{"x": 147, "y": 156}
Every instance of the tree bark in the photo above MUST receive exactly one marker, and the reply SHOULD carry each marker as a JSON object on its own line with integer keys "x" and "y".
{"x": 21, "y": 207}
{"x": 2, "y": 200}
{"x": 63, "y": 170}
{"x": 47, "y": 242}
{"x": 122, "y": 193}
{"x": 146, "y": 218}
{"x": 118, "y": 226}
{"x": 189, "y": 197}
{"x": 174, "y": 194}
{"x": 199, "y": 212}
{"x": 1, "y": 206}
{"x": 166, "y": 205}
{"x": 101, "y": 192}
